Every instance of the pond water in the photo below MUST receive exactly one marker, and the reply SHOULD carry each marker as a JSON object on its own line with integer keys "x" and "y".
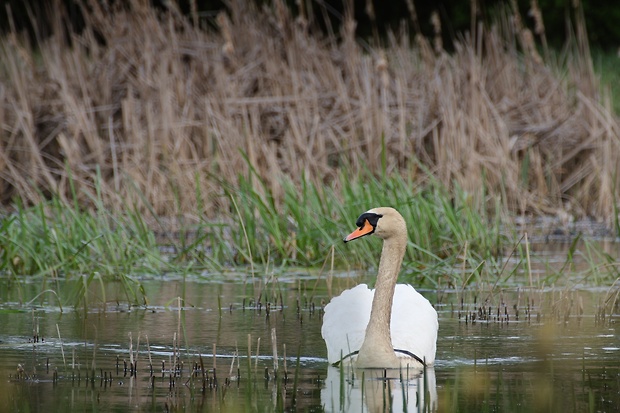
{"x": 515, "y": 349}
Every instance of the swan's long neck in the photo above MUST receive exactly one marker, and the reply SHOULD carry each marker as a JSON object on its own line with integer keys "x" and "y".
{"x": 377, "y": 349}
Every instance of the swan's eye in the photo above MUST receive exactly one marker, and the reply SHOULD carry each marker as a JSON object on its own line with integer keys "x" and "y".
{"x": 371, "y": 217}
{"x": 366, "y": 224}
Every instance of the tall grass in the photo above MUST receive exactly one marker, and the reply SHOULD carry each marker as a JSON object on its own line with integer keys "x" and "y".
{"x": 55, "y": 240}
{"x": 58, "y": 242}
{"x": 167, "y": 107}
{"x": 451, "y": 243}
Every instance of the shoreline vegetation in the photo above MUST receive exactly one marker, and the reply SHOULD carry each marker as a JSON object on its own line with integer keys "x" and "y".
{"x": 266, "y": 140}
{"x": 160, "y": 109}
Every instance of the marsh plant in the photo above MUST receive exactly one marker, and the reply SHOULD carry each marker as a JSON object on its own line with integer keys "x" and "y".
{"x": 166, "y": 106}
{"x": 84, "y": 257}
{"x": 152, "y": 142}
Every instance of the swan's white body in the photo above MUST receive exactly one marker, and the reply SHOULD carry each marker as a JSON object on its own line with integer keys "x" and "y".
{"x": 390, "y": 326}
{"x": 413, "y": 324}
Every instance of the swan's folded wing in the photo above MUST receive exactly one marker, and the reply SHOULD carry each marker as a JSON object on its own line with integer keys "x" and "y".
{"x": 414, "y": 323}
{"x": 345, "y": 321}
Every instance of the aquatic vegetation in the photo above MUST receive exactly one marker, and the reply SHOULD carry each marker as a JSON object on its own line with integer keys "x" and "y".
{"x": 453, "y": 244}
{"x": 55, "y": 240}
{"x": 186, "y": 358}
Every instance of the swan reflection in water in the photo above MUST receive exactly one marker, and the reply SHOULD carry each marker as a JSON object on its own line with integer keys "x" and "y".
{"x": 348, "y": 389}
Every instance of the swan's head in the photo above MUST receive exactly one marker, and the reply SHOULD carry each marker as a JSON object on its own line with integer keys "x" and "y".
{"x": 384, "y": 222}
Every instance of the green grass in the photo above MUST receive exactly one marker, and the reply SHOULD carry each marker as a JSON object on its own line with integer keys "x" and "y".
{"x": 455, "y": 241}
{"x": 307, "y": 224}
{"x": 606, "y": 66}
{"x": 56, "y": 241}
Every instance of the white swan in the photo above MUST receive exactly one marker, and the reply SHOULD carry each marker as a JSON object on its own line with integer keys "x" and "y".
{"x": 390, "y": 326}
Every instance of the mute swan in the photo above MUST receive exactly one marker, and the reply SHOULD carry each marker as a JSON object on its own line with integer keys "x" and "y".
{"x": 390, "y": 326}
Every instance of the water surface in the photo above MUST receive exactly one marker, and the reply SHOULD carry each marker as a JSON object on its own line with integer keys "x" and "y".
{"x": 516, "y": 349}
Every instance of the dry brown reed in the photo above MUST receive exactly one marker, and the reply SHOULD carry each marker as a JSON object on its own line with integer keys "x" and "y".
{"x": 161, "y": 108}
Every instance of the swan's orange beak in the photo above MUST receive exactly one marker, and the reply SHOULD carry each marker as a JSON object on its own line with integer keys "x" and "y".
{"x": 365, "y": 229}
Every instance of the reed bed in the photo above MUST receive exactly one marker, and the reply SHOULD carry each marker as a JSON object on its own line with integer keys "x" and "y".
{"x": 151, "y": 142}
{"x": 54, "y": 240}
{"x": 166, "y": 108}
{"x": 79, "y": 256}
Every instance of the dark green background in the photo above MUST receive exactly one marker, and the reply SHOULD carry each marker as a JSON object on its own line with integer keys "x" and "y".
{"x": 601, "y": 16}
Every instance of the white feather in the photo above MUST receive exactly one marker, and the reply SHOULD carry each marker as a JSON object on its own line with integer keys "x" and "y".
{"x": 414, "y": 322}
